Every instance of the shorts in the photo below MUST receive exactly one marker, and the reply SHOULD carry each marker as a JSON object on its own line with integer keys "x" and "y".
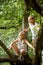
{"x": 22, "y": 51}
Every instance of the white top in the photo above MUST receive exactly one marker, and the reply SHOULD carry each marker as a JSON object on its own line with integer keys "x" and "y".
{"x": 22, "y": 45}
{"x": 34, "y": 30}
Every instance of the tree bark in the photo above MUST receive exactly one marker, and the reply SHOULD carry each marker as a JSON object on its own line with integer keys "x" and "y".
{"x": 25, "y": 19}
{"x": 7, "y": 60}
{"x": 5, "y": 48}
{"x": 38, "y": 48}
{"x": 35, "y": 6}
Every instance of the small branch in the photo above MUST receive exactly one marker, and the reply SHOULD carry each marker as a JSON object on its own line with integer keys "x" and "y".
{"x": 8, "y": 27}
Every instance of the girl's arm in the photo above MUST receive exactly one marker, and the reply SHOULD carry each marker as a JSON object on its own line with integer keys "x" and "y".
{"x": 29, "y": 44}
{"x": 12, "y": 44}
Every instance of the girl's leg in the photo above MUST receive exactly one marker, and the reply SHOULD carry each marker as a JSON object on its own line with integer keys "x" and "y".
{"x": 16, "y": 49}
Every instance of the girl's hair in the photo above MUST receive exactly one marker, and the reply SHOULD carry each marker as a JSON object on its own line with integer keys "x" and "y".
{"x": 22, "y": 33}
{"x": 31, "y": 17}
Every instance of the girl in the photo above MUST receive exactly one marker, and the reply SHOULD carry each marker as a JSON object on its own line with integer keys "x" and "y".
{"x": 34, "y": 27}
{"x": 22, "y": 43}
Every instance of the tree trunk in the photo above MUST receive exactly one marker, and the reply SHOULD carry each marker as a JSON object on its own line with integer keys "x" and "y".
{"x": 38, "y": 48}
{"x": 25, "y": 19}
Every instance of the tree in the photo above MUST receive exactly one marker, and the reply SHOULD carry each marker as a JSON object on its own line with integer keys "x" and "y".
{"x": 39, "y": 47}
{"x": 35, "y": 5}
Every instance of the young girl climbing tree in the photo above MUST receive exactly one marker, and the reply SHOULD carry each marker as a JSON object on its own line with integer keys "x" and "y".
{"x": 21, "y": 47}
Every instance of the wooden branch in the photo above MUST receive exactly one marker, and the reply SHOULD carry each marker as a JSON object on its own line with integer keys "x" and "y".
{"x": 8, "y": 60}
{"x": 8, "y": 27}
{"x": 5, "y": 48}
{"x": 35, "y": 6}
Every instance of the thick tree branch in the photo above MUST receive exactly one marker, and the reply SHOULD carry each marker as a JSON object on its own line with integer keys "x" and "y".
{"x": 35, "y": 6}
{"x": 5, "y": 48}
{"x": 8, "y": 59}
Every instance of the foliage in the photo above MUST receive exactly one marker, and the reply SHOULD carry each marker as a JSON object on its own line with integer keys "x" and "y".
{"x": 11, "y": 14}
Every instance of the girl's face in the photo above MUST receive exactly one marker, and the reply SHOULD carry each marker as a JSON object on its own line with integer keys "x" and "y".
{"x": 32, "y": 20}
{"x": 21, "y": 36}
